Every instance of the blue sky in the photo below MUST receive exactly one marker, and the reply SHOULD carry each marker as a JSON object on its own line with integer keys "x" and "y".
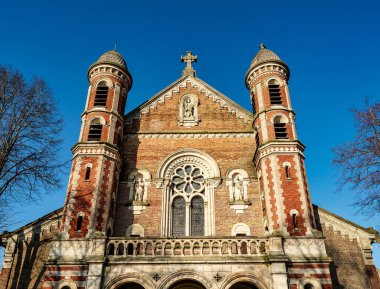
{"x": 331, "y": 47}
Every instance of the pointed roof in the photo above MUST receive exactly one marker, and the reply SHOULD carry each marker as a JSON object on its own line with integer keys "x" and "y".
{"x": 210, "y": 92}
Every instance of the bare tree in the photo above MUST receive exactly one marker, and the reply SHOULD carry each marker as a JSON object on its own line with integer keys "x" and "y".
{"x": 29, "y": 138}
{"x": 359, "y": 160}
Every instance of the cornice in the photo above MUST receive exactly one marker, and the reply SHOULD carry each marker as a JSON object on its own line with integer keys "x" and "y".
{"x": 96, "y": 148}
{"x": 270, "y": 67}
{"x": 102, "y": 109}
{"x": 278, "y": 147}
{"x": 110, "y": 69}
{"x": 273, "y": 108}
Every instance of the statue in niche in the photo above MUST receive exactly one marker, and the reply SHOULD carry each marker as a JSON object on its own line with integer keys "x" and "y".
{"x": 188, "y": 107}
{"x": 139, "y": 187}
{"x": 238, "y": 190}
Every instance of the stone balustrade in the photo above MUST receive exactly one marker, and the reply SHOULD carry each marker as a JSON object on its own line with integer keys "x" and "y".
{"x": 208, "y": 247}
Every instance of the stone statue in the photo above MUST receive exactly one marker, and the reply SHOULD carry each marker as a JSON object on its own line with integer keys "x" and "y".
{"x": 139, "y": 188}
{"x": 188, "y": 107}
{"x": 238, "y": 190}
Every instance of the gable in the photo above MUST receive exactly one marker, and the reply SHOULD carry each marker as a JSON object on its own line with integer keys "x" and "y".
{"x": 164, "y": 111}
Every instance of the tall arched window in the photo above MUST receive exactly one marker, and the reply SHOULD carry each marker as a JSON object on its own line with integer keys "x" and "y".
{"x": 178, "y": 217}
{"x": 187, "y": 201}
{"x": 189, "y": 178}
{"x": 101, "y": 94}
{"x": 197, "y": 216}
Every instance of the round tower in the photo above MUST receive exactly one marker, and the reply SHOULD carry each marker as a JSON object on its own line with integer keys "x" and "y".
{"x": 279, "y": 157}
{"x": 96, "y": 158}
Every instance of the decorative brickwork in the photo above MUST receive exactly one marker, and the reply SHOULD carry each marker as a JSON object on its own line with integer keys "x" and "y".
{"x": 189, "y": 190}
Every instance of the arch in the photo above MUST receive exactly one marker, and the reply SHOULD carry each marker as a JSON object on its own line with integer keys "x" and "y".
{"x": 64, "y": 284}
{"x": 135, "y": 230}
{"x": 305, "y": 283}
{"x": 97, "y": 120}
{"x": 245, "y": 279}
{"x": 204, "y": 160}
{"x": 243, "y": 285}
{"x": 280, "y": 122}
{"x": 120, "y": 281}
{"x": 104, "y": 81}
{"x": 130, "y": 285}
{"x": 240, "y": 229}
{"x": 178, "y": 277}
{"x": 187, "y": 284}
{"x": 188, "y": 173}
{"x": 188, "y": 110}
{"x": 274, "y": 80}
{"x": 279, "y": 118}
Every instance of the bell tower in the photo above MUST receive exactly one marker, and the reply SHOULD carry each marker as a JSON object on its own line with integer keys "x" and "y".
{"x": 279, "y": 157}
{"x": 96, "y": 161}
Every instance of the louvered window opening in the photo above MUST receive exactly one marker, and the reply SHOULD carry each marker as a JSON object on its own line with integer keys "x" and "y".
{"x": 101, "y": 96}
{"x": 95, "y": 132}
{"x": 280, "y": 131}
{"x": 275, "y": 94}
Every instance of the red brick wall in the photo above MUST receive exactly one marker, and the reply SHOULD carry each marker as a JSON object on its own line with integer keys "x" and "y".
{"x": 236, "y": 153}
{"x": 83, "y": 196}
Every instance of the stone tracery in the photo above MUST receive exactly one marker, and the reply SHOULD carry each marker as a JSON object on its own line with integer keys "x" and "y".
{"x": 188, "y": 178}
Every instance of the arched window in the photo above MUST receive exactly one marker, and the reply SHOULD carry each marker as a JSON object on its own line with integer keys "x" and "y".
{"x": 294, "y": 214}
{"x": 179, "y": 217}
{"x": 197, "y": 216}
{"x": 308, "y": 286}
{"x": 188, "y": 187}
{"x": 280, "y": 128}
{"x": 189, "y": 179}
{"x": 87, "y": 175}
{"x": 95, "y": 131}
{"x": 101, "y": 94}
{"x": 274, "y": 92}
{"x": 79, "y": 222}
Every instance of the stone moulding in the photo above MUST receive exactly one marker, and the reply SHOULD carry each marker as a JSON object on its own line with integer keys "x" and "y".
{"x": 190, "y": 135}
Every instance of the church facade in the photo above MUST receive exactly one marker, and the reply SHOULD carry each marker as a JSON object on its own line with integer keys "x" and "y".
{"x": 189, "y": 190}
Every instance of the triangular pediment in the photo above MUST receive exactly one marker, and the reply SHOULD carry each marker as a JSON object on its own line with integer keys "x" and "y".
{"x": 203, "y": 87}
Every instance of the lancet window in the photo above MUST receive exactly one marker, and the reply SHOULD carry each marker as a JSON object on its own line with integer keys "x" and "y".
{"x": 188, "y": 201}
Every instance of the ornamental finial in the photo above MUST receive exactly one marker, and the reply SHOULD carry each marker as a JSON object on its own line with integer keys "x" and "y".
{"x": 262, "y": 46}
{"x": 189, "y": 58}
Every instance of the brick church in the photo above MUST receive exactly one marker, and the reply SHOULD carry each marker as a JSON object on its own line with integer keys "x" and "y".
{"x": 189, "y": 190}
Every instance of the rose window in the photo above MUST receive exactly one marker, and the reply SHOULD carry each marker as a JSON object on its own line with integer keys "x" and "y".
{"x": 188, "y": 179}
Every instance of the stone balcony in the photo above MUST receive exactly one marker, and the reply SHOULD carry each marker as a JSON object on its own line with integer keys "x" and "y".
{"x": 211, "y": 249}
{"x": 186, "y": 247}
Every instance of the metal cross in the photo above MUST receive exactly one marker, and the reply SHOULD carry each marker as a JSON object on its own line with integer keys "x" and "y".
{"x": 189, "y": 58}
{"x": 156, "y": 277}
{"x": 217, "y": 277}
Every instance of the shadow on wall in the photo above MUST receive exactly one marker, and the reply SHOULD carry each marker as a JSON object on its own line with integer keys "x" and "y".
{"x": 32, "y": 251}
